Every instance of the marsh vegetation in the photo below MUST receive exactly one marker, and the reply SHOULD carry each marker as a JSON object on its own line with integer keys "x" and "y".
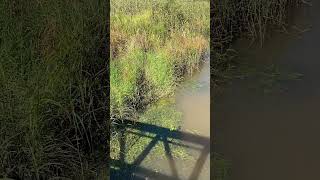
{"x": 249, "y": 19}
{"x": 53, "y": 69}
{"x": 53, "y": 74}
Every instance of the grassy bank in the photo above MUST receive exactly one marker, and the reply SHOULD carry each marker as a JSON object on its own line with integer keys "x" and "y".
{"x": 250, "y": 19}
{"x": 154, "y": 44}
{"x": 52, "y": 88}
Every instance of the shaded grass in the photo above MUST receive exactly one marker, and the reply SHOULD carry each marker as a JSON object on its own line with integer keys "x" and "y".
{"x": 251, "y": 19}
{"x": 52, "y": 94}
{"x": 161, "y": 114}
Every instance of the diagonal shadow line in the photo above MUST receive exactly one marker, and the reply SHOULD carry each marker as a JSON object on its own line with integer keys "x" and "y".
{"x": 170, "y": 142}
{"x": 170, "y": 158}
{"x": 122, "y": 146}
{"x": 165, "y": 132}
{"x": 184, "y": 136}
{"x": 200, "y": 162}
{"x": 146, "y": 151}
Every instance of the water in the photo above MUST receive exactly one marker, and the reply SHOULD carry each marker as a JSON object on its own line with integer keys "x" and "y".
{"x": 193, "y": 101}
{"x": 274, "y": 135}
{"x": 195, "y": 106}
{"x": 151, "y": 149}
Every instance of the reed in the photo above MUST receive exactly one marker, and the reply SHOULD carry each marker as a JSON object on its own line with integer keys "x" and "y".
{"x": 250, "y": 19}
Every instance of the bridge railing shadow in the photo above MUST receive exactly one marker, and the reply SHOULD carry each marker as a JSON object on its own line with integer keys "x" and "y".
{"x": 161, "y": 135}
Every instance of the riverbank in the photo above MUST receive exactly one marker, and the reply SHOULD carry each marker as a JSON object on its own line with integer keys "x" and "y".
{"x": 172, "y": 129}
{"x": 249, "y": 19}
{"x": 153, "y": 46}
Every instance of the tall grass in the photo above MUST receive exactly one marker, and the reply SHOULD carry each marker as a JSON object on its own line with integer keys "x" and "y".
{"x": 52, "y": 94}
{"x": 250, "y": 19}
{"x": 154, "y": 44}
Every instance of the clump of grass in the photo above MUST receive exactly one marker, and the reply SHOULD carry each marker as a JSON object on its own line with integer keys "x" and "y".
{"x": 52, "y": 94}
{"x": 159, "y": 73}
{"x": 186, "y": 51}
{"x": 251, "y": 18}
{"x": 119, "y": 41}
{"x": 124, "y": 74}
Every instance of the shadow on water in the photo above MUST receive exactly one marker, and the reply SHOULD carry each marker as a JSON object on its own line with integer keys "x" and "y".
{"x": 120, "y": 169}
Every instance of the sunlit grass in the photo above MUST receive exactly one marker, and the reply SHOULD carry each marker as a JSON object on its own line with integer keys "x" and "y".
{"x": 171, "y": 35}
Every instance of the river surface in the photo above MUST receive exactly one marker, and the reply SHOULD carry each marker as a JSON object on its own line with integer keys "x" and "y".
{"x": 271, "y": 132}
{"x": 194, "y": 103}
{"x": 192, "y": 100}
{"x": 195, "y": 107}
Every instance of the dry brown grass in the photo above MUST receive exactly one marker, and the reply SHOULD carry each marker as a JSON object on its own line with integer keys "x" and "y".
{"x": 181, "y": 44}
{"x": 118, "y": 42}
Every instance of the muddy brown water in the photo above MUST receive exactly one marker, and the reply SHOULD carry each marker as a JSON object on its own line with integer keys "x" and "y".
{"x": 195, "y": 107}
{"x": 275, "y": 135}
{"x": 192, "y": 139}
{"x": 193, "y": 101}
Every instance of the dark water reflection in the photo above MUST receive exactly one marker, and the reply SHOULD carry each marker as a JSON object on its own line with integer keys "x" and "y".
{"x": 275, "y": 135}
